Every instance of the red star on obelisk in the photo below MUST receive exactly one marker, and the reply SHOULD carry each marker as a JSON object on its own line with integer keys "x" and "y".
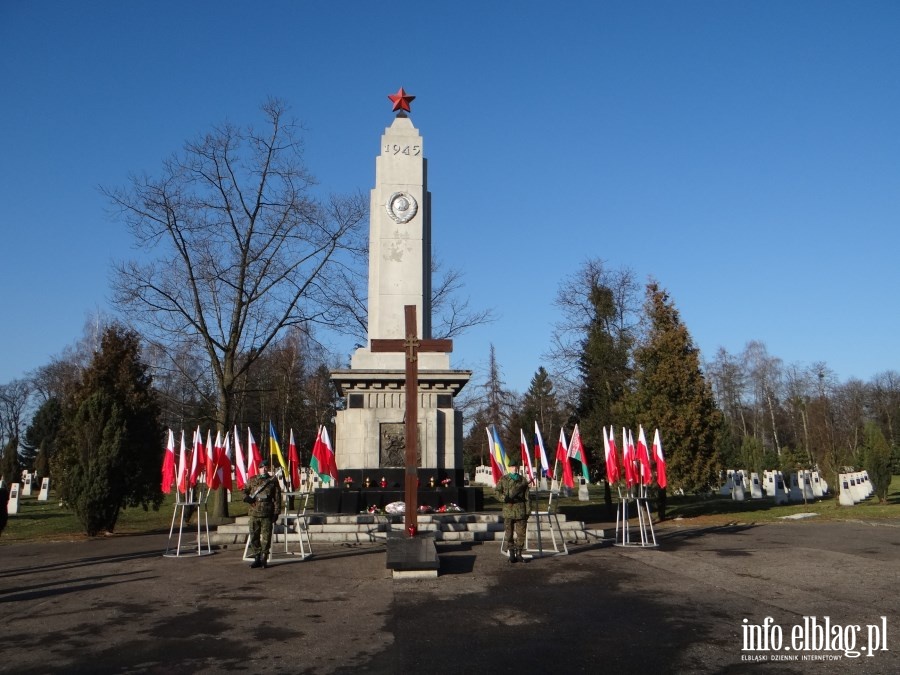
{"x": 401, "y": 100}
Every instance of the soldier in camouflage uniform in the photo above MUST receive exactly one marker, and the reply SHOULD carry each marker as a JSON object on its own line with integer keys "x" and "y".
{"x": 263, "y": 494}
{"x": 512, "y": 490}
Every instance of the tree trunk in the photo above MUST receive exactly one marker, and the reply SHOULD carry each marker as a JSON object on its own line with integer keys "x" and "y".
{"x": 771, "y": 407}
{"x": 218, "y": 513}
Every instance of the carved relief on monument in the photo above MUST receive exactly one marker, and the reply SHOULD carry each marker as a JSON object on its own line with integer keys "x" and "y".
{"x": 402, "y": 207}
{"x": 392, "y": 446}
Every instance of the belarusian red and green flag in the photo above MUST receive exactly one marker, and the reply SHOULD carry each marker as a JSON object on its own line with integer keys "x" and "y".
{"x": 576, "y": 451}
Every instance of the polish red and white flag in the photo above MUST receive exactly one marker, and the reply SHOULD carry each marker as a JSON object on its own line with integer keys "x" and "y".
{"x": 240, "y": 466}
{"x": 294, "y": 463}
{"x": 223, "y": 469}
{"x": 612, "y": 461}
{"x": 643, "y": 457}
{"x": 182, "y": 467}
{"x": 253, "y": 456}
{"x": 527, "y": 466}
{"x": 660, "y": 460}
{"x": 168, "y": 467}
{"x": 628, "y": 459}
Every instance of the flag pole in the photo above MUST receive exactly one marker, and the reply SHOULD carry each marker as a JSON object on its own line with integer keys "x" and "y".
{"x": 650, "y": 522}
{"x": 618, "y": 510}
{"x": 552, "y": 478}
{"x": 641, "y": 525}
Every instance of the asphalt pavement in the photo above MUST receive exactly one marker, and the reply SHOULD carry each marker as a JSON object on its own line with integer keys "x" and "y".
{"x": 703, "y": 601}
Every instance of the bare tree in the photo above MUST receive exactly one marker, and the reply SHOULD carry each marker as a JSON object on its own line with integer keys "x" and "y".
{"x": 728, "y": 380}
{"x": 183, "y": 380}
{"x": 14, "y": 400}
{"x": 59, "y": 378}
{"x": 829, "y": 453}
{"x": 244, "y": 250}
{"x": 237, "y": 248}
{"x": 886, "y": 403}
{"x": 451, "y": 312}
{"x": 799, "y": 391}
{"x": 765, "y": 373}
{"x": 15, "y": 397}
{"x": 850, "y": 401}
{"x": 575, "y": 298}
{"x": 489, "y": 403}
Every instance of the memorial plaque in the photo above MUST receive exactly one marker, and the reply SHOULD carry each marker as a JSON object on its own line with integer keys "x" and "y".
{"x": 392, "y": 446}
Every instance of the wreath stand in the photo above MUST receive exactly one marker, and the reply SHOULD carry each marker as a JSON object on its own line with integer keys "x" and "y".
{"x": 645, "y": 522}
{"x": 299, "y": 519}
{"x": 182, "y": 547}
{"x": 552, "y": 521}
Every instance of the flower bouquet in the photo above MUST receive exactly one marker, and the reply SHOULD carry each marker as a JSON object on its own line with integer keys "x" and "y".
{"x": 449, "y": 508}
{"x": 424, "y": 508}
{"x": 446, "y": 482}
{"x": 348, "y": 482}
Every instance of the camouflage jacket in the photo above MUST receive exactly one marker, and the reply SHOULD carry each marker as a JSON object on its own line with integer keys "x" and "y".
{"x": 267, "y": 503}
{"x": 513, "y": 492}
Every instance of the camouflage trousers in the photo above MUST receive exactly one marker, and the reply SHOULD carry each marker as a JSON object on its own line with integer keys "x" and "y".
{"x": 515, "y": 526}
{"x": 260, "y": 536}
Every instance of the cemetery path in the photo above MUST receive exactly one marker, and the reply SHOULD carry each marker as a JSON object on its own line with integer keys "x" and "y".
{"x": 116, "y": 605}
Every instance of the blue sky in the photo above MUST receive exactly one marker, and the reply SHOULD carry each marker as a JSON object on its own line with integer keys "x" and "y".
{"x": 744, "y": 154}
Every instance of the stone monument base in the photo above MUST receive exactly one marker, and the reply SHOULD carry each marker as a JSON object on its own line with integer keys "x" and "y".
{"x": 412, "y": 557}
{"x": 359, "y": 500}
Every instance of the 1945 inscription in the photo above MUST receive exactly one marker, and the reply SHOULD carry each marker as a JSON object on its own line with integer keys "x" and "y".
{"x": 397, "y": 149}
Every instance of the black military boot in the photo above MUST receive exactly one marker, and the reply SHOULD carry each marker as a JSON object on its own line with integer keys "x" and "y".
{"x": 257, "y": 562}
{"x": 265, "y": 560}
{"x": 513, "y": 554}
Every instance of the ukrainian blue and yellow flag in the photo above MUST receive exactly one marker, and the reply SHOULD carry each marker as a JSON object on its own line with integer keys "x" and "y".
{"x": 275, "y": 448}
{"x": 497, "y": 451}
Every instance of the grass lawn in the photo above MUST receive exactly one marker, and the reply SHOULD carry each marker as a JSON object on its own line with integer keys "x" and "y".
{"x": 49, "y": 521}
{"x": 720, "y": 510}
{"x": 717, "y": 510}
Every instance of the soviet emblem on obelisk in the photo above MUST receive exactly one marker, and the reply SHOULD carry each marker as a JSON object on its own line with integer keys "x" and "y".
{"x": 382, "y": 395}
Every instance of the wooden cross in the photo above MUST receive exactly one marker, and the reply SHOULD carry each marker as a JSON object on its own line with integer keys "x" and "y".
{"x": 411, "y": 345}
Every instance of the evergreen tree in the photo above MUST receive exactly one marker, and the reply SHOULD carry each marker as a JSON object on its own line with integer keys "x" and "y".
{"x": 500, "y": 403}
{"x": 672, "y": 394}
{"x": 540, "y": 404}
{"x": 495, "y": 405}
{"x": 9, "y": 463}
{"x": 605, "y": 371}
{"x": 591, "y": 350}
{"x": 877, "y": 460}
{"x": 475, "y": 448}
{"x": 110, "y": 448}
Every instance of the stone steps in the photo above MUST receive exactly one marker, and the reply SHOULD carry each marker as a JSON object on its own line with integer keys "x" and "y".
{"x": 367, "y": 528}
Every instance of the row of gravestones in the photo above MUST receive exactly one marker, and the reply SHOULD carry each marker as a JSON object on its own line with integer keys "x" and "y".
{"x": 17, "y": 490}
{"x": 485, "y": 477}
{"x": 802, "y": 486}
{"x": 855, "y": 487}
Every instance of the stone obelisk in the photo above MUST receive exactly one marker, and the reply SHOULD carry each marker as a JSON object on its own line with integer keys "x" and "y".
{"x": 369, "y": 431}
